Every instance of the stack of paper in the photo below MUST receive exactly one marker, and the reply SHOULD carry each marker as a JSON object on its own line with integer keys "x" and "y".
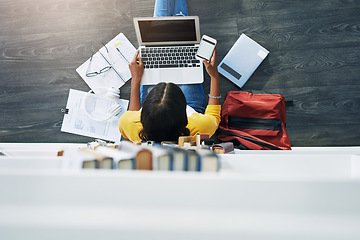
{"x": 117, "y": 54}
{"x": 76, "y": 121}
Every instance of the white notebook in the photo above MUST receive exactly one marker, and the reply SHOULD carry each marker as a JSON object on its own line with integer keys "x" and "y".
{"x": 242, "y": 60}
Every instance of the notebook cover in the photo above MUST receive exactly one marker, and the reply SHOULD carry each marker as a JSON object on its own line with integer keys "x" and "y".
{"x": 242, "y": 60}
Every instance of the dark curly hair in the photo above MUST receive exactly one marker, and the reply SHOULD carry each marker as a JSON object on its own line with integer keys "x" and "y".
{"x": 163, "y": 114}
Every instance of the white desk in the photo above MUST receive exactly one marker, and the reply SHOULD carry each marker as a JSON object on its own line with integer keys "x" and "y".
{"x": 257, "y": 195}
{"x": 340, "y": 162}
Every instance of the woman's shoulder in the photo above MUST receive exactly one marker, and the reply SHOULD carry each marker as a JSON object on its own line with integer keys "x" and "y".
{"x": 212, "y": 112}
{"x": 207, "y": 122}
{"x": 129, "y": 117}
{"x": 130, "y": 125}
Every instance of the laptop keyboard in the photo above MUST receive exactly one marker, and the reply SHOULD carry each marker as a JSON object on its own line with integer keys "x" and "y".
{"x": 170, "y": 57}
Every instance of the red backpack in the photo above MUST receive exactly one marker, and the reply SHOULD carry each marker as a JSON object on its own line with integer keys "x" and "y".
{"x": 254, "y": 121}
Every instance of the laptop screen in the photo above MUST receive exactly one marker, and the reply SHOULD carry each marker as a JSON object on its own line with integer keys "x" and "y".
{"x": 168, "y": 30}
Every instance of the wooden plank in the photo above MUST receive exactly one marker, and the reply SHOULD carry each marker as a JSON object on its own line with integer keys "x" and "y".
{"x": 307, "y": 68}
{"x": 54, "y": 16}
{"x": 323, "y": 116}
{"x": 307, "y": 30}
{"x": 142, "y": 8}
{"x": 325, "y": 135}
{"x": 212, "y": 9}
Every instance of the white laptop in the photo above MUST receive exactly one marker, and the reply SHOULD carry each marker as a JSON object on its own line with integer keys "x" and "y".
{"x": 167, "y": 47}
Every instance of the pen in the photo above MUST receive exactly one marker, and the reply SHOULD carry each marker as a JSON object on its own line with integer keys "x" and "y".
{"x": 122, "y": 78}
{"x": 122, "y": 55}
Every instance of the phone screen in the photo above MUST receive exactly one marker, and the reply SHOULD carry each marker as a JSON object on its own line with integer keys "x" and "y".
{"x": 206, "y": 49}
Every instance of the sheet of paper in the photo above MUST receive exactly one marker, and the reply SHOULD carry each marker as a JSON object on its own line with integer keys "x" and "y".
{"x": 121, "y": 52}
{"x": 76, "y": 121}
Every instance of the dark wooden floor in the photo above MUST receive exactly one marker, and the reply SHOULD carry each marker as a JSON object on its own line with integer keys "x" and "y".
{"x": 314, "y": 59}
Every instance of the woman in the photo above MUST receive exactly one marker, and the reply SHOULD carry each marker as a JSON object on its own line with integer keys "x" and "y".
{"x": 165, "y": 113}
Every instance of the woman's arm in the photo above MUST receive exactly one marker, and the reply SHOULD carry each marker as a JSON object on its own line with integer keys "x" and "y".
{"x": 137, "y": 69}
{"x": 211, "y": 68}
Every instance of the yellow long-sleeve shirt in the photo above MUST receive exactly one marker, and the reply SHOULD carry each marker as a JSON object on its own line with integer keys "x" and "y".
{"x": 130, "y": 125}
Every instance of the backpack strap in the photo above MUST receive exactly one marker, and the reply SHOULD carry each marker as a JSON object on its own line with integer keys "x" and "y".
{"x": 263, "y": 144}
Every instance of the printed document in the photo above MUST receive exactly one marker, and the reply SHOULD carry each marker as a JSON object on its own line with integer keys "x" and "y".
{"x": 77, "y": 121}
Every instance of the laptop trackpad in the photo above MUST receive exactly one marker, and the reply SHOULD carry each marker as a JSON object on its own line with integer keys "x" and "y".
{"x": 171, "y": 75}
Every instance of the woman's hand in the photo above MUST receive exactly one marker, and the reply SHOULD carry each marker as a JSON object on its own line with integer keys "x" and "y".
{"x": 136, "y": 67}
{"x": 211, "y": 66}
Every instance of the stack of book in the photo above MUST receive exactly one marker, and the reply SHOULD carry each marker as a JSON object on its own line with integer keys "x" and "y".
{"x": 143, "y": 157}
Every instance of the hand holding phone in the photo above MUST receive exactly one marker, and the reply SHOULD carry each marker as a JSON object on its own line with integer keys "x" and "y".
{"x": 206, "y": 48}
